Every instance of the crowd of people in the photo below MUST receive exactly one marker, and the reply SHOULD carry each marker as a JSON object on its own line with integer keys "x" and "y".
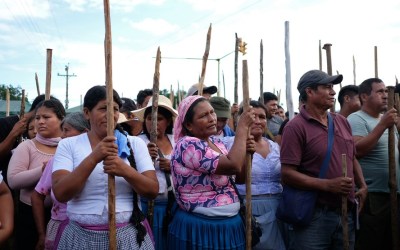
{"x": 183, "y": 190}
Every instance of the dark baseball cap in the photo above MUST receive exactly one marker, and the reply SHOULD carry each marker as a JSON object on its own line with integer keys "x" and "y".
{"x": 315, "y": 77}
{"x": 221, "y": 106}
{"x": 194, "y": 89}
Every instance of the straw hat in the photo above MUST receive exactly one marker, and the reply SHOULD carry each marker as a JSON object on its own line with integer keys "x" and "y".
{"x": 163, "y": 101}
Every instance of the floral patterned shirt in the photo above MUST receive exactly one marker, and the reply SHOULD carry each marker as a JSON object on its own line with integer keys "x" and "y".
{"x": 193, "y": 166}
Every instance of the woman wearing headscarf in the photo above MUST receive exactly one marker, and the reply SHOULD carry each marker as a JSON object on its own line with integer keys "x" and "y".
{"x": 266, "y": 187}
{"x": 72, "y": 125}
{"x": 80, "y": 172}
{"x": 162, "y": 152}
{"x": 27, "y": 164}
{"x": 207, "y": 217}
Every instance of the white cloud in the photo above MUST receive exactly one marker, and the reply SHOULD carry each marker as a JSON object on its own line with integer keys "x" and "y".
{"x": 158, "y": 27}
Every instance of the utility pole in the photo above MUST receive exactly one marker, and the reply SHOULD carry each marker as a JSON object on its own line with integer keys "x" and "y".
{"x": 66, "y": 77}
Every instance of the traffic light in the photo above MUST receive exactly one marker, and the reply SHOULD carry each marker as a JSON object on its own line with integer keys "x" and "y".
{"x": 242, "y": 46}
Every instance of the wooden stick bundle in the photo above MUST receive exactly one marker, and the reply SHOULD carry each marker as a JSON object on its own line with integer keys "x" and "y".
{"x": 110, "y": 123}
{"x": 205, "y": 59}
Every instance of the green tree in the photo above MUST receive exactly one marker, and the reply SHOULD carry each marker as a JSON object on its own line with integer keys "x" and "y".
{"x": 15, "y": 92}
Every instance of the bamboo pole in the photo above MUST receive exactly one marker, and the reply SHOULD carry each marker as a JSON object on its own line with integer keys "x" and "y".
{"x": 235, "y": 90}
{"x": 110, "y": 123}
{"x": 320, "y": 55}
{"x": 345, "y": 224}
{"x": 154, "y": 112}
{"x": 7, "y": 102}
{"x": 354, "y": 71}
{"x": 261, "y": 72}
{"x": 205, "y": 59}
{"x": 376, "y": 61}
{"x": 392, "y": 175}
{"x": 22, "y": 111}
{"x": 37, "y": 84}
{"x": 289, "y": 98}
{"x": 48, "y": 73}
{"x": 246, "y": 106}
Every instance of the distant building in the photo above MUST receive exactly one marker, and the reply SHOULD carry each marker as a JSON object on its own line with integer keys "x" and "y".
{"x": 74, "y": 109}
{"x": 15, "y": 107}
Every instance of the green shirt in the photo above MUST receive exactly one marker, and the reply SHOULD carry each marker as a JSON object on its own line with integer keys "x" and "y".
{"x": 375, "y": 165}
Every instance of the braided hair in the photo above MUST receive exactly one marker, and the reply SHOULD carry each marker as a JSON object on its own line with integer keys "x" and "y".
{"x": 137, "y": 214}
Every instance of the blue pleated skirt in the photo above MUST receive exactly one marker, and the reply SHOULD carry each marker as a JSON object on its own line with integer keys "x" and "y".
{"x": 195, "y": 231}
{"x": 160, "y": 207}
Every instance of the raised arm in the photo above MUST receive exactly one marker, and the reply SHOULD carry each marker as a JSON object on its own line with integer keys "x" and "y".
{"x": 232, "y": 163}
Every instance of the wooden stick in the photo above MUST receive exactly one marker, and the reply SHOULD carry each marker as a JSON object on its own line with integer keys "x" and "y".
{"x": 172, "y": 97}
{"x": 48, "y": 73}
{"x": 236, "y": 91}
{"x": 223, "y": 82}
{"x": 153, "y": 130}
{"x": 7, "y": 102}
{"x": 261, "y": 72}
{"x": 289, "y": 98}
{"x": 392, "y": 175}
{"x": 246, "y": 106}
{"x": 345, "y": 224}
{"x": 22, "y": 111}
{"x": 205, "y": 59}
{"x": 320, "y": 55}
{"x": 354, "y": 71}
{"x": 376, "y": 61}
{"x": 37, "y": 84}
{"x": 110, "y": 123}
{"x": 327, "y": 47}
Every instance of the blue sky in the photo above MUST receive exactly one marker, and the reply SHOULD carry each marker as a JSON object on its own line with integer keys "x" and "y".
{"x": 74, "y": 29}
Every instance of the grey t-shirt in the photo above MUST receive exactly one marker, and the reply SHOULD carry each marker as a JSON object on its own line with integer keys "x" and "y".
{"x": 375, "y": 165}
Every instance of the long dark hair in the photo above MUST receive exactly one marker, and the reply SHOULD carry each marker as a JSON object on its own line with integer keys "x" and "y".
{"x": 137, "y": 215}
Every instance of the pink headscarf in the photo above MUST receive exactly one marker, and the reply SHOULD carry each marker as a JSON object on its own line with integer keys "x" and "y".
{"x": 182, "y": 110}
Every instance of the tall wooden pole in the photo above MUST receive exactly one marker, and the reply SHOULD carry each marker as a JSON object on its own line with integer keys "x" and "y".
{"x": 376, "y": 60}
{"x": 289, "y": 98}
{"x": 37, "y": 84}
{"x": 320, "y": 55}
{"x": 205, "y": 59}
{"x": 7, "y": 102}
{"x": 246, "y": 106}
{"x": 22, "y": 110}
{"x": 392, "y": 175}
{"x": 345, "y": 225}
{"x": 48, "y": 73}
{"x": 354, "y": 71}
{"x": 261, "y": 72}
{"x": 235, "y": 90}
{"x": 154, "y": 119}
{"x": 110, "y": 123}
{"x": 327, "y": 47}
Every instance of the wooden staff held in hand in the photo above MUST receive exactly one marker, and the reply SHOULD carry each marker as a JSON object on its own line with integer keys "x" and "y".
{"x": 154, "y": 112}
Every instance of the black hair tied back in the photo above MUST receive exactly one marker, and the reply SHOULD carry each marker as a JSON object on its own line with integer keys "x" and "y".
{"x": 137, "y": 214}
